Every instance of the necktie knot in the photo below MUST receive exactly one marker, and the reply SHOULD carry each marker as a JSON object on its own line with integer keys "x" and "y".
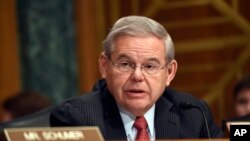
{"x": 140, "y": 123}
{"x": 141, "y": 126}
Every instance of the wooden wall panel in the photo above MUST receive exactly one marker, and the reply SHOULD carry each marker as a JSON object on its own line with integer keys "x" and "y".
{"x": 9, "y": 57}
{"x": 86, "y": 42}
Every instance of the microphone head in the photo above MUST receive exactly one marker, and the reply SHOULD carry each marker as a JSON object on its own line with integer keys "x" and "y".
{"x": 186, "y": 105}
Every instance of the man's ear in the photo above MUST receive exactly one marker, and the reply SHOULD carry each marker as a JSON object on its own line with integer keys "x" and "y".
{"x": 171, "y": 70}
{"x": 103, "y": 64}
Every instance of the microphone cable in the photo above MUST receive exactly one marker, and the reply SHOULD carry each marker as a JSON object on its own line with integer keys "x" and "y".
{"x": 188, "y": 105}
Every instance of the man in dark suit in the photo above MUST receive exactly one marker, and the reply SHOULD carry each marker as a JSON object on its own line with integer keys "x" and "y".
{"x": 133, "y": 101}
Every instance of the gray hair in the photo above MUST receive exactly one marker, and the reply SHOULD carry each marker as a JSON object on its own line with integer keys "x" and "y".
{"x": 138, "y": 26}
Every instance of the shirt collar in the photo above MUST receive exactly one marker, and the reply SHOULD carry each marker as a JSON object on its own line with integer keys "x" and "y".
{"x": 128, "y": 120}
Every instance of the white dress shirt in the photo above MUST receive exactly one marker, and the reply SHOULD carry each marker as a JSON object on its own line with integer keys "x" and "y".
{"x": 128, "y": 120}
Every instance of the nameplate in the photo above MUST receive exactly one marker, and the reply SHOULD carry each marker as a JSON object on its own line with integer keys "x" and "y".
{"x": 54, "y": 134}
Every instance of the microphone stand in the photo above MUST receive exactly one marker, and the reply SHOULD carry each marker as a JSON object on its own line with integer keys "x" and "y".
{"x": 187, "y": 105}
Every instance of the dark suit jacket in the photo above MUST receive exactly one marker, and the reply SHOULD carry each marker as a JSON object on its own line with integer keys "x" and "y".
{"x": 99, "y": 108}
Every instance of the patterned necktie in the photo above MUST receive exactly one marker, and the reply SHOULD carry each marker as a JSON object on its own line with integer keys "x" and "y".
{"x": 141, "y": 126}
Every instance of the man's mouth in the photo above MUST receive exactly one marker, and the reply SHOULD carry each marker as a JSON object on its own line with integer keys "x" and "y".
{"x": 135, "y": 90}
{"x": 136, "y": 93}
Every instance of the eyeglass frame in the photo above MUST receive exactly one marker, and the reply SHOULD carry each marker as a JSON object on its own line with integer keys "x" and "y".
{"x": 133, "y": 68}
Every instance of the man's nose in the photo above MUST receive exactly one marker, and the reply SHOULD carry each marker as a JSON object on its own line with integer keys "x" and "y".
{"x": 138, "y": 74}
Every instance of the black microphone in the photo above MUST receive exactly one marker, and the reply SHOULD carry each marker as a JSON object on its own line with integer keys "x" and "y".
{"x": 188, "y": 105}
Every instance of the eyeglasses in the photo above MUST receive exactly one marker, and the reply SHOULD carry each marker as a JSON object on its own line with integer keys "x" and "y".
{"x": 126, "y": 67}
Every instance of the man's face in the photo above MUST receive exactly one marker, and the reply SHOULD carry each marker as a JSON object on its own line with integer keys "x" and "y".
{"x": 242, "y": 103}
{"x": 137, "y": 91}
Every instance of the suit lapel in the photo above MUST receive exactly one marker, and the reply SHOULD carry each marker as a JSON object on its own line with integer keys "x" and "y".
{"x": 166, "y": 121}
{"x": 112, "y": 119}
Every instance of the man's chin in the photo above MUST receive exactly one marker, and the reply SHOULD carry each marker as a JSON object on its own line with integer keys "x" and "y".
{"x": 138, "y": 108}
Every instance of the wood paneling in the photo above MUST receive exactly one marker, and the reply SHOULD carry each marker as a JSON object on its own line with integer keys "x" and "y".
{"x": 87, "y": 45}
{"x": 9, "y": 57}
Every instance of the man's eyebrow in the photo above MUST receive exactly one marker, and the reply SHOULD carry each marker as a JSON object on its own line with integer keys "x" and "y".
{"x": 122, "y": 56}
{"x": 153, "y": 59}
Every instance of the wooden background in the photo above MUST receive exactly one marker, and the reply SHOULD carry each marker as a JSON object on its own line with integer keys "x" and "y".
{"x": 212, "y": 40}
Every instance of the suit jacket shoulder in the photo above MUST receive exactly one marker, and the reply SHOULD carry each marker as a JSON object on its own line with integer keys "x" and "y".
{"x": 190, "y": 122}
{"x": 179, "y": 97}
{"x": 93, "y": 109}
{"x": 77, "y": 111}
